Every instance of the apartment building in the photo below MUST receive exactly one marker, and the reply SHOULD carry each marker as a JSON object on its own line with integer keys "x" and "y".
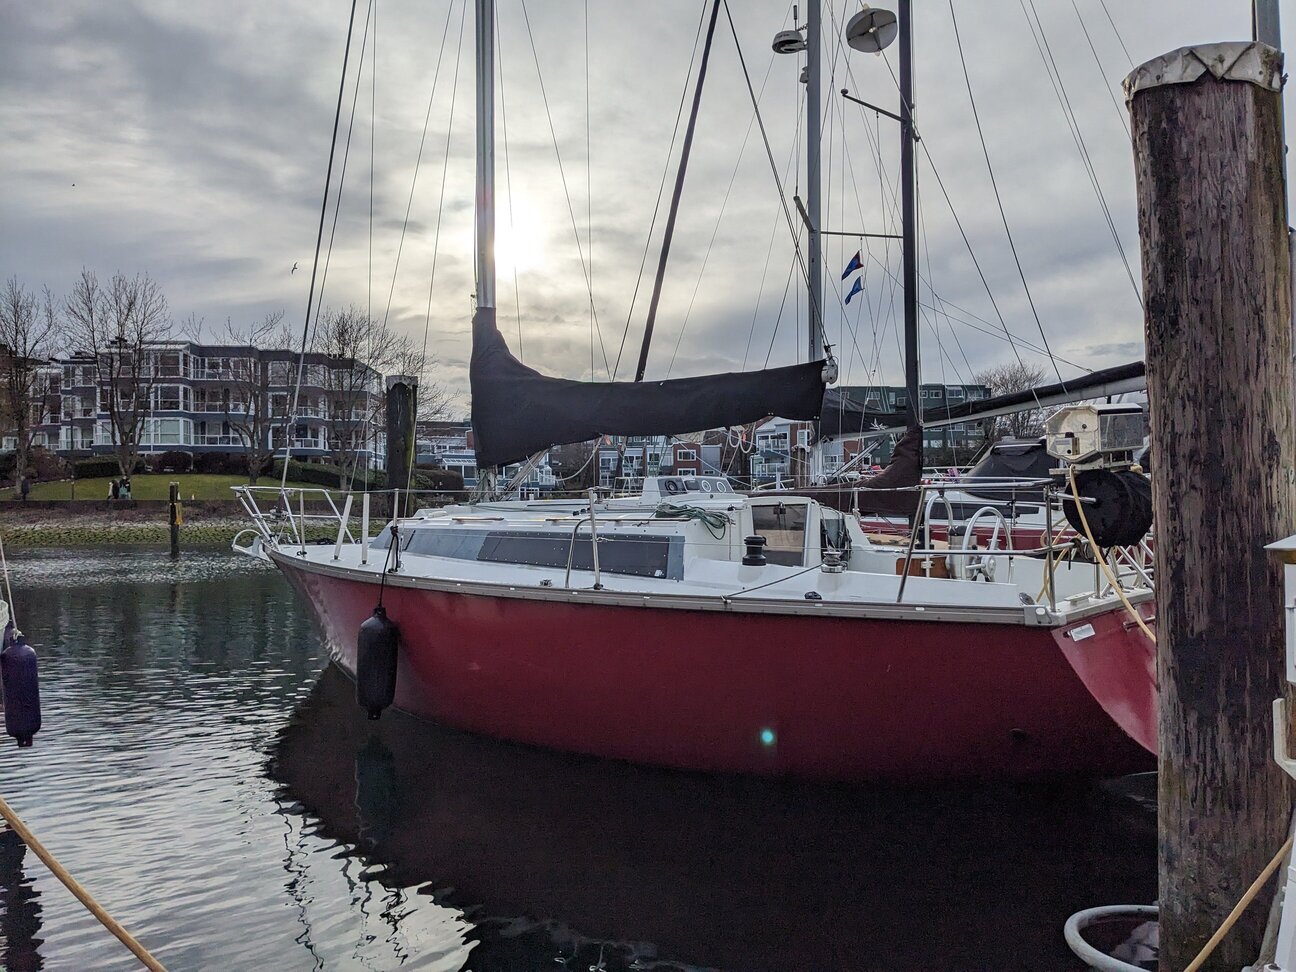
{"x": 625, "y": 461}
{"x": 782, "y": 451}
{"x": 211, "y": 398}
{"x": 449, "y": 445}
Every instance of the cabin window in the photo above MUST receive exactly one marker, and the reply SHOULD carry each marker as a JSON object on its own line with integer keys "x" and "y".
{"x": 783, "y": 526}
{"x": 644, "y": 555}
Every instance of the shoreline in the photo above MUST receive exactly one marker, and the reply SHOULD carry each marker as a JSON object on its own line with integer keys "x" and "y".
{"x": 54, "y": 524}
{"x": 87, "y": 530}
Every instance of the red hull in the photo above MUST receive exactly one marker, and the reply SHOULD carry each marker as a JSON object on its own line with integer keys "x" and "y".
{"x": 818, "y": 698}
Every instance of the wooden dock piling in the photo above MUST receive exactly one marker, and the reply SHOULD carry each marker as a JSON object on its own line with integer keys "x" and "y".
{"x": 174, "y": 516}
{"x": 1208, "y": 152}
{"x": 402, "y": 408}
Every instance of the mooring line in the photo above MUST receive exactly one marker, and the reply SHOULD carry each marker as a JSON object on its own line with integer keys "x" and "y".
{"x": 81, "y": 894}
{"x": 4, "y": 564}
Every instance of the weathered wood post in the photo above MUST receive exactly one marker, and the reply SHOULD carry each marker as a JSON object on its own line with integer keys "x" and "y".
{"x": 173, "y": 511}
{"x": 402, "y": 404}
{"x": 1208, "y": 154}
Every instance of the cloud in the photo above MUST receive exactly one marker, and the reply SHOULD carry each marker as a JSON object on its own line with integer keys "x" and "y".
{"x": 197, "y": 137}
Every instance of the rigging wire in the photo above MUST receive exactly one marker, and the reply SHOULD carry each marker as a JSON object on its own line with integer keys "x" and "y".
{"x": 436, "y": 75}
{"x": 508, "y": 178}
{"x": 994, "y": 184}
{"x": 319, "y": 238}
{"x": 676, "y": 194}
{"x": 1055, "y": 78}
{"x": 418, "y": 161}
{"x": 368, "y": 331}
{"x": 661, "y": 188}
{"x": 1116, "y": 31}
{"x": 769, "y": 251}
{"x": 562, "y": 173}
{"x": 787, "y": 287}
{"x": 990, "y": 329}
{"x": 589, "y": 192}
{"x": 373, "y": 134}
{"x": 769, "y": 152}
{"x": 985, "y": 283}
{"x": 1124, "y": 118}
{"x": 724, "y": 203}
{"x": 337, "y": 199}
{"x": 445, "y": 168}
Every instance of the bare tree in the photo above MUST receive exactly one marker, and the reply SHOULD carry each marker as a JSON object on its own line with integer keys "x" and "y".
{"x": 249, "y": 409}
{"x": 434, "y": 399}
{"x": 1015, "y": 377}
{"x": 359, "y": 350}
{"x": 119, "y": 326}
{"x": 29, "y": 328}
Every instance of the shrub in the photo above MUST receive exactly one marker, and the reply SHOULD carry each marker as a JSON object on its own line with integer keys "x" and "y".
{"x": 323, "y": 474}
{"x": 221, "y": 463}
{"x": 42, "y": 465}
{"x": 438, "y": 479}
{"x": 101, "y": 466}
{"x": 173, "y": 461}
{"x": 95, "y": 468}
{"x": 45, "y": 466}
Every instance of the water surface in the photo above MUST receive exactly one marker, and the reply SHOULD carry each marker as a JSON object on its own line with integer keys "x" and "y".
{"x": 230, "y": 805}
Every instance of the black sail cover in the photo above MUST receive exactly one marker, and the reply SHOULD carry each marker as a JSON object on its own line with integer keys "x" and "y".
{"x": 516, "y": 411}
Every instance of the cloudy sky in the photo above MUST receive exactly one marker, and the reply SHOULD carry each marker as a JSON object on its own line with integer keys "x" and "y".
{"x": 189, "y": 140}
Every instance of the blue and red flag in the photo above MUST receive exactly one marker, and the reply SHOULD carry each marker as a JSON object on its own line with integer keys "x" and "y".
{"x": 854, "y": 265}
{"x": 858, "y": 288}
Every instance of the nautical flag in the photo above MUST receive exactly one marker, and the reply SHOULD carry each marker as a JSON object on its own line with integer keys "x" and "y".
{"x": 854, "y": 265}
{"x": 858, "y": 288}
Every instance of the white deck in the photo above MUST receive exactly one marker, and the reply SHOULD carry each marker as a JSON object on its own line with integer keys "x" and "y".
{"x": 688, "y": 563}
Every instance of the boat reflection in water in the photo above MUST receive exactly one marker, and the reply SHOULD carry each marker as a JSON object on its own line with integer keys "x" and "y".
{"x": 558, "y": 859}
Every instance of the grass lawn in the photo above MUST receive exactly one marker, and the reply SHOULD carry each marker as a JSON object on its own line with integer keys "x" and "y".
{"x": 148, "y": 486}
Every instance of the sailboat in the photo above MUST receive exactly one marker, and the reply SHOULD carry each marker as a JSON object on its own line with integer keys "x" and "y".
{"x": 690, "y": 626}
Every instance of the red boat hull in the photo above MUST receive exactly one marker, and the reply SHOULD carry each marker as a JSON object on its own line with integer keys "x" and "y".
{"x": 819, "y": 698}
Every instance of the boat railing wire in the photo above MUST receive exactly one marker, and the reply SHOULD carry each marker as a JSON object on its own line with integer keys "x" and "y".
{"x": 296, "y": 516}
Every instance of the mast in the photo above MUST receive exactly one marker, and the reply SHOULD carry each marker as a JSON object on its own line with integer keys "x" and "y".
{"x": 1265, "y": 23}
{"x": 485, "y": 204}
{"x": 814, "y": 109}
{"x": 909, "y": 216}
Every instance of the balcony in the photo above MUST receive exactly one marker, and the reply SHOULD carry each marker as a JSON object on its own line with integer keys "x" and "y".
{"x": 301, "y": 443}
{"x": 220, "y": 408}
{"x": 218, "y": 440}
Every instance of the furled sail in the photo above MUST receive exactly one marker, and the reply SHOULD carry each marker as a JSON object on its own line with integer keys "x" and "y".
{"x": 846, "y": 416}
{"x": 516, "y": 411}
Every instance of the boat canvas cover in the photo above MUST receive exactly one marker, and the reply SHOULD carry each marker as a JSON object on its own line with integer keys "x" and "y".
{"x": 1015, "y": 459}
{"x": 846, "y": 416}
{"x": 516, "y": 411}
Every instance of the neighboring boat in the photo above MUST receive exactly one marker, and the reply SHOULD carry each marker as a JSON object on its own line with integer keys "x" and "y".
{"x": 694, "y": 627}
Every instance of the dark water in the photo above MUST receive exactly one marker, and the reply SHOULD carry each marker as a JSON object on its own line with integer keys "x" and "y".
{"x": 230, "y": 805}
